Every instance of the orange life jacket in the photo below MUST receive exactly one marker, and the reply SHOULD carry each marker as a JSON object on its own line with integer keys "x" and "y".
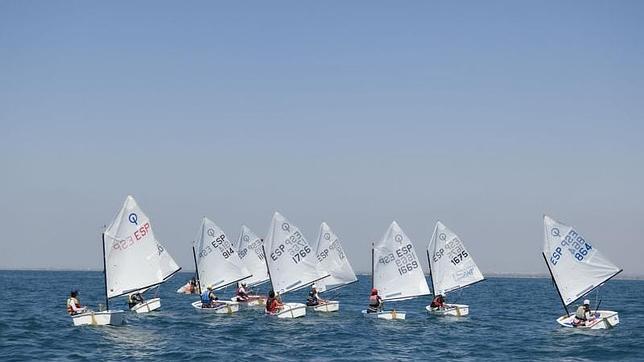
{"x": 272, "y": 305}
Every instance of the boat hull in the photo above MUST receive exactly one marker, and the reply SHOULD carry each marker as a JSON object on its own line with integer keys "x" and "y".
{"x": 108, "y": 317}
{"x": 607, "y": 319}
{"x": 290, "y": 311}
{"x": 328, "y": 306}
{"x": 452, "y": 310}
{"x": 387, "y": 315}
{"x": 253, "y": 301}
{"x": 147, "y": 306}
{"x": 227, "y": 307}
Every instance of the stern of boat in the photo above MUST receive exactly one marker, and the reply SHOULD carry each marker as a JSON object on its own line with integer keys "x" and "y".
{"x": 109, "y": 317}
{"x": 147, "y": 306}
{"x": 328, "y": 306}
{"x": 292, "y": 310}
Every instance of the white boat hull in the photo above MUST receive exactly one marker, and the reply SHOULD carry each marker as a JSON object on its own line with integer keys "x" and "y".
{"x": 328, "y": 306}
{"x": 253, "y": 301}
{"x": 607, "y": 319}
{"x": 227, "y": 307}
{"x": 388, "y": 315}
{"x": 147, "y": 306}
{"x": 290, "y": 311}
{"x": 108, "y": 317}
{"x": 453, "y": 310}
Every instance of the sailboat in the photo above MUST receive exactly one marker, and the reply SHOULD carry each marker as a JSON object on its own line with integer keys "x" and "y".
{"x": 332, "y": 261}
{"x": 103, "y": 317}
{"x": 249, "y": 248}
{"x": 576, "y": 268}
{"x": 396, "y": 271}
{"x": 217, "y": 265}
{"x": 136, "y": 260}
{"x": 290, "y": 262}
{"x": 451, "y": 268}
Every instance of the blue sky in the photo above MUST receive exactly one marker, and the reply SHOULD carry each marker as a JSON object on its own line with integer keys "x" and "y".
{"x": 482, "y": 114}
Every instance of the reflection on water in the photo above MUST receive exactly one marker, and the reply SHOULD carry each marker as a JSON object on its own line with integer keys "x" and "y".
{"x": 134, "y": 340}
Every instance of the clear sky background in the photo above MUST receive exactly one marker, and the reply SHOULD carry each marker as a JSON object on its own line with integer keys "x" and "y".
{"x": 483, "y": 114}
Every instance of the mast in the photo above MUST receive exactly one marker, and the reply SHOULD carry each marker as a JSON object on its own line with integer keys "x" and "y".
{"x": 430, "y": 273}
{"x": 555, "y": 282}
{"x": 194, "y": 256}
{"x": 372, "y": 267}
{"x": 268, "y": 269}
{"x": 107, "y": 300}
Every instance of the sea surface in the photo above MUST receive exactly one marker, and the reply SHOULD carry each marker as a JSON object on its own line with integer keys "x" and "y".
{"x": 511, "y": 319}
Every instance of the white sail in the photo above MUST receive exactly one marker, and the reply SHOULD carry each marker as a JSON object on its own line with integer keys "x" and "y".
{"x": 397, "y": 271}
{"x": 452, "y": 266}
{"x": 217, "y": 261}
{"x": 166, "y": 263}
{"x": 332, "y": 260}
{"x": 575, "y": 264}
{"x": 291, "y": 262}
{"x": 134, "y": 259}
{"x": 249, "y": 248}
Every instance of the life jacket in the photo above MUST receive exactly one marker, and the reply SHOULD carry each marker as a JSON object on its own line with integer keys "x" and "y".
{"x": 374, "y": 301}
{"x": 437, "y": 302}
{"x": 205, "y": 297}
{"x": 581, "y": 313}
{"x": 271, "y": 305}
{"x": 71, "y": 301}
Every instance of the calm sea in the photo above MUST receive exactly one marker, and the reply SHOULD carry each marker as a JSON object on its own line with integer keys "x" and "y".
{"x": 511, "y": 318}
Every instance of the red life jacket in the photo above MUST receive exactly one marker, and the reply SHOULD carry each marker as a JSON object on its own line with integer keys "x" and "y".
{"x": 271, "y": 305}
{"x": 437, "y": 302}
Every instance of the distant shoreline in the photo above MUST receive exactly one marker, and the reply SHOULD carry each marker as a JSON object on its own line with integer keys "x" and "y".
{"x": 487, "y": 275}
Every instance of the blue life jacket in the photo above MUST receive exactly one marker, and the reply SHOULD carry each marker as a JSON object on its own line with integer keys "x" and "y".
{"x": 205, "y": 297}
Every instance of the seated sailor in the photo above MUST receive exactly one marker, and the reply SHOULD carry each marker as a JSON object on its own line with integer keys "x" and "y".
{"x": 73, "y": 304}
{"x": 583, "y": 315}
{"x": 273, "y": 304}
{"x": 209, "y": 299}
{"x": 314, "y": 297}
{"x": 242, "y": 293}
{"x": 376, "y": 303}
{"x": 134, "y": 299}
{"x": 438, "y": 303}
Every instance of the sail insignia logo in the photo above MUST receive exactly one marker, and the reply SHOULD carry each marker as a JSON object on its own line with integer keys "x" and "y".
{"x": 442, "y": 236}
{"x": 246, "y": 238}
{"x": 286, "y": 227}
{"x": 327, "y": 236}
{"x": 464, "y": 273}
{"x": 133, "y": 218}
{"x": 398, "y": 238}
{"x": 555, "y": 232}
{"x": 211, "y": 233}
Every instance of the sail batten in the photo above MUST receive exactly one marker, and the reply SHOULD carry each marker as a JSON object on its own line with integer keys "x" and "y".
{"x": 290, "y": 261}
{"x": 451, "y": 265}
{"x": 576, "y": 266}
{"x": 332, "y": 260}
{"x": 396, "y": 267}
{"x": 134, "y": 258}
